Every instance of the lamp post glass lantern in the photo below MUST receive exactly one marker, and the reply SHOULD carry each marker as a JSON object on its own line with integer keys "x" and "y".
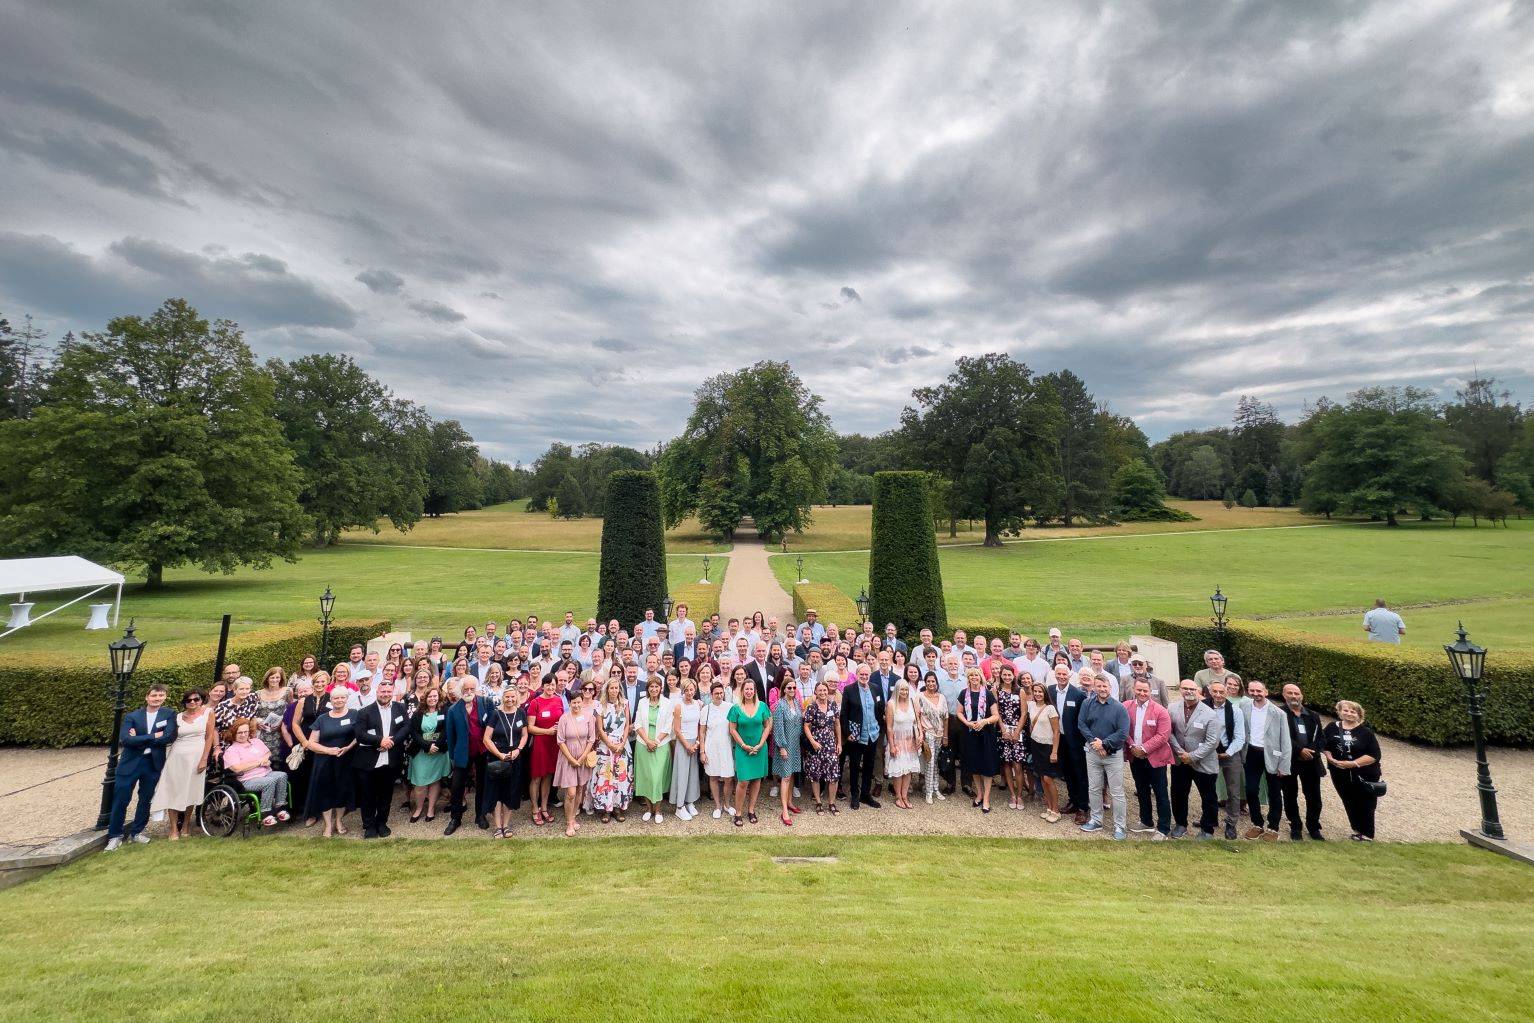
{"x": 863, "y": 605}
{"x": 665, "y": 607}
{"x": 1218, "y": 601}
{"x": 124, "y": 654}
{"x": 705, "y": 568}
{"x": 1469, "y": 664}
{"x": 799, "y": 568}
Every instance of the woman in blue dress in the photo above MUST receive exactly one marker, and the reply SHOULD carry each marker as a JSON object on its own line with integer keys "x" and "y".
{"x": 331, "y": 742}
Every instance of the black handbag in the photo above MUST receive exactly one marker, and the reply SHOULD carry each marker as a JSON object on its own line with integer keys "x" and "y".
{"x": 1374, "y": 788}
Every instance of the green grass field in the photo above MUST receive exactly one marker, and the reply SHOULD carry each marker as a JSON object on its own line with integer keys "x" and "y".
{"x": 417, "y": 588}
{"x": 712, "y": 929}
{"x": 511, "y": 526}
{"x": 848, "y": 527}
{"x": 1102, "y": 587}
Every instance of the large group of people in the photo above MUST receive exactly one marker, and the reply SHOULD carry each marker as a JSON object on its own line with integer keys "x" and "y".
{"x": 602, "y": 721}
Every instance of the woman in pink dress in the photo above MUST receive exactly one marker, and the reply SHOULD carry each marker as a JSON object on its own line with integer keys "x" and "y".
{"x": 577, "y": 736}
{"x": 543, "y": 714}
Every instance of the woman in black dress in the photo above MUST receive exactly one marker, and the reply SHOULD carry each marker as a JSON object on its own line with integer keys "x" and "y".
{"x": 979, "y": 752}
{"x": 1353, "y": 753}
{"x": 330, "y": 742}
{"x": 506, "y": 740}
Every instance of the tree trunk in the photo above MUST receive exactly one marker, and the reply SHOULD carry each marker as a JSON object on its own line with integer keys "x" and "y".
{"x": 953, "y": 525}
{"x": 1390, "y": 519}
{"x": 992, "y": 537}
{"x": 154, "y": 576}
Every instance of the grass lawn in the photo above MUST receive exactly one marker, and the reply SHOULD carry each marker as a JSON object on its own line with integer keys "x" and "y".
{"x": 1498, "y": 624}
{"x": 1102, "y": 586}
{"x": 712, "y": 929}
{"x": 847, "y": 527}
{"x": 511, "y": 527}
{"x": 417, "y": 588}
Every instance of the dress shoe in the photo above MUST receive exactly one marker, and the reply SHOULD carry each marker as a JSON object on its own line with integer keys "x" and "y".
{"x": 1179, "y": 831}
{"x": 1316, "y": 836}
{"x": 384, "y": 831}
{"x": 482, "y": 822}
{"x": 1079, "y": 816}
{"x": 452, "y": 826}
{"x": 853, "y": 805}
{"x": 369, "y": 833}
{"x": 873, "y": 803}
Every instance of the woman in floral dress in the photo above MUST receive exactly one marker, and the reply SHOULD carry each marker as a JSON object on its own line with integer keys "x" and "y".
{"x": 823, "y": 765}
{"x": 611, "y": 782}
{"x": 1013, "y": 745}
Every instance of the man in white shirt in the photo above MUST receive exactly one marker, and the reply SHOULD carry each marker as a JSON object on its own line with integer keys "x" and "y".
{"x": 919, "y": 652}
{"x": 1032, "y": 663}
{"x": 1269, "y": 754}
{"x": 678, "y": 626}
{"x": 1383, "y": 625}
{"x": 362, "y": 666}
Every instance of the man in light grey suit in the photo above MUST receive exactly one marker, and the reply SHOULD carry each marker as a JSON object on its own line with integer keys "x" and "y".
{"x": 1269, "y": 753}
{"x": 1196, "y": 733}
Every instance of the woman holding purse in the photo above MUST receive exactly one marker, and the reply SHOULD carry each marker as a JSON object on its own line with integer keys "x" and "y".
{"x": 506, "y": 739}
{"x": 1353, "y": 754}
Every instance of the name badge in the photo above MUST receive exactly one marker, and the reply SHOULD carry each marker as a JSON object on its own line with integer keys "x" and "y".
{"x": 346, "y": 721}
{"x": 545, "y": 713}
{"x": 1299, "y": 728}
{"x": 1070, "y": 703}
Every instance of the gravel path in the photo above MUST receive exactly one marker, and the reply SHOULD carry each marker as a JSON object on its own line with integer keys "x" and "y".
{"x": 750, "y": 585}
{"x": 45, "y": 794}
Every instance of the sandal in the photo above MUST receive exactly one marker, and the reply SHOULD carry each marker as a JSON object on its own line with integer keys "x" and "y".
{"x": 284, "y": 816}
{"x": 833, "y": 809}
{"x": 819, "y": 808}
{"x": 740, "y": 823}
{"x": 753, "y": 818}
{"x": 268, "y": 821}
{"x": 607, "y": 818}
{"x": 620, "y": 817}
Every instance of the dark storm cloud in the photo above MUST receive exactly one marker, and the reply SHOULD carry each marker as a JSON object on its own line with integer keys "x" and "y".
{"x": 382, "y": 282}
{"x": 1181, "y": 203}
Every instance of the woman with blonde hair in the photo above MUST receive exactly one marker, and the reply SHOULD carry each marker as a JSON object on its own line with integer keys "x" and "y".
{"x": 612, "y": 780}
{"x": 979, "y": 756}
{"x": 902, "y": 760}
{"x": 685, "y": 788}
{"x": 506, "y": 738}
{"x": 933, "y": 707}
{"x": 1353, "y": 753}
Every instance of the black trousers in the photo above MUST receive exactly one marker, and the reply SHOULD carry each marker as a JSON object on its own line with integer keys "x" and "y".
{"x": 1151, "y": 781}
{"x": 950, "y": 773}
{"x": 1184, "y": 778}
{"x": 459, "y": 780}
{"x": 1307, "y": 776}
{"x": 1357, "y": 801}
{"x": 860, "y": 769}
{"x": 1073, "y": 765}
{"x": 1256, "y": 770}
{"x": 374, "y": 788}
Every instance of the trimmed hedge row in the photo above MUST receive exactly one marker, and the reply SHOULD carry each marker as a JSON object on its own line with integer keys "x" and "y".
{"x": 832, "y": 604}
{"x": 905, "y": 583}
{"x": 1408, "y": 693}
{"x": 633, "y": 572}
{"x": 702, "y": 600}
{"x": 55, "y": 705}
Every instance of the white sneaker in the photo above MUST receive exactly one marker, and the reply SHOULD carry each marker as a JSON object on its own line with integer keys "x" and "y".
{"x": 660, "y": 818}
{"x": 929, "y": 799}
{"x": 731, "y": 811}
{"x": 692, "y": 811}
{"x": 647, "y": 816}
{"x": 114, "y": 844}
{"x": 775, "y": 790}
{"x": 796, "y": 792}
{"x": 718, "y": 813}
{"x": 941, "y": 796}
{"x": 140, "y": 839}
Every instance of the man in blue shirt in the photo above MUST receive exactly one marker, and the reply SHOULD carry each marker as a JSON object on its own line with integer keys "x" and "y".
{"x": 862, "y": 710}
{"x": 1383, "y": 625}
{"x": 1104, "y": 727}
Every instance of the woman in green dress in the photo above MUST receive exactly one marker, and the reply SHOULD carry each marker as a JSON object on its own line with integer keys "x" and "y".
{"x": 750, "y": 728}
{"x": 429, "y": 763}
{"x": 653, "y": 719}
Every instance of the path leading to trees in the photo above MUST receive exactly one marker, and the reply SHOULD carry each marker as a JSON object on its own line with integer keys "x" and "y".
{"x": 750, "y": 586}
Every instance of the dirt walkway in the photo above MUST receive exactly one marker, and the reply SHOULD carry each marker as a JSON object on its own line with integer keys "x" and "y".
{"x": 750, "y": 585}
{"x": 1432, "y": 795}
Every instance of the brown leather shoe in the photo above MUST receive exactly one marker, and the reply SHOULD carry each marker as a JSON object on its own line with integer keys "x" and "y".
{"x": 1080, "y": 816}
{"x": 1270, "y": 836}
{"x": 1253, "y": 832}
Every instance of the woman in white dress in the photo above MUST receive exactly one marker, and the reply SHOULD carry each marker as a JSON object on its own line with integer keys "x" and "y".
{"x": 684, "y": 758}
{"x": 184, "y": 777}
{"x": 903, "y": 761}
{"x": 717, "y": 752}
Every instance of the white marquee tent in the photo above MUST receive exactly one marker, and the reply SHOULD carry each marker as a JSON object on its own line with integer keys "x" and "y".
{"x": 22, "y": 576}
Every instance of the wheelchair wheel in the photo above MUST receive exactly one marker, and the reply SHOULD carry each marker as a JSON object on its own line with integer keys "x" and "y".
{"x": 220, "y": 813}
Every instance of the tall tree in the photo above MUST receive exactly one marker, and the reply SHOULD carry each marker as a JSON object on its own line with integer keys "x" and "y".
{"x": 990, "y": 430}
{"x": 1257, "y": 435}
{"x": 352, "y": 440}
{"x": 1485, "y": 422}
{"x": 1383, "y": 452}
{"x": 157, "y": 446}
{"x": 451, "y": 483}
{"x": 1202, "y": 474}
{"x": 1081, "y": 454}
{"x": 23, "y": 367}
{"x": 551, "y": 467}
{"x": 757, "y": 443}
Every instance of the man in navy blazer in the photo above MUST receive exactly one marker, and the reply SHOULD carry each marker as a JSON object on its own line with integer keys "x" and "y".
{"x": 463, "y": 732}
{"x": 380, "y": 732}
{"x": 145, "y": 734}
{"x": 1068, "y": 699}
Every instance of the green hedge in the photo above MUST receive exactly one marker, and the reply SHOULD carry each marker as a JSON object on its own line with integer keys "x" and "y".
{"x": 832, "y": 604}
{"x": 702, "y": 600}
{"x": 905, "y": 583}
{"x": 1408, "y": 693}
{"x": 633, "y": 574}
{"x": 55, "y": 705}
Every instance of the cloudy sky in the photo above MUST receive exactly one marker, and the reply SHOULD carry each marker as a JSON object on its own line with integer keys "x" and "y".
{"x": 552, "y": 221}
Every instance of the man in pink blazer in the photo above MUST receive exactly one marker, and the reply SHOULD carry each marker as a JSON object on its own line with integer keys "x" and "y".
{"x": 1150, "y": 754}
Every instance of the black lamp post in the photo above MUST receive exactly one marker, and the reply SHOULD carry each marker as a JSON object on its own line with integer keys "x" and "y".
{"x": 1469, "y": 663}
{"x": 799, "y": 567}
{"x": 327, "y": 601}
{"x": 705, "y": 568}
{"x": 125, "y": 653}
{"x": 863, "y": 606}
{"x": 1218, "y": 600}
{"x": 665, "y": 607}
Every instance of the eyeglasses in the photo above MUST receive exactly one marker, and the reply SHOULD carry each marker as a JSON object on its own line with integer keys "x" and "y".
{"x": 191, "y": 700}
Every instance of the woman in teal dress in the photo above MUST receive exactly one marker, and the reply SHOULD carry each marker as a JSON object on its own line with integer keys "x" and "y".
{"x": 429, "y": 762}
{"x": 653, "y": 719}
{"x": 750, "y": 728}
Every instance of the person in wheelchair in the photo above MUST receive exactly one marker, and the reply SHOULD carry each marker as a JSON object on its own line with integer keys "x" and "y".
{"x": 249, "y": 760}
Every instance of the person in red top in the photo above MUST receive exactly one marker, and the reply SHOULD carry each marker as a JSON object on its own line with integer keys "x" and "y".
{"x": 1150, "y": 754}
{"x": 543, "y": 714}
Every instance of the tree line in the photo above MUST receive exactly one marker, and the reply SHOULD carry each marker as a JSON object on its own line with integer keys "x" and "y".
{"x": 160, "y": 441}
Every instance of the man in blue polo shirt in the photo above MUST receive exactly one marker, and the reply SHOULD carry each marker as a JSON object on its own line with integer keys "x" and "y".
{"x": 1104, "y": 727}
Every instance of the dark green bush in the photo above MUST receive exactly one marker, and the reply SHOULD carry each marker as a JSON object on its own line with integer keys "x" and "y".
{"x": 1406, "y": 692}
{"x": 633, "y": 575}
{"x": 905, "y": 584}
{"x": 51, "y": 704}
